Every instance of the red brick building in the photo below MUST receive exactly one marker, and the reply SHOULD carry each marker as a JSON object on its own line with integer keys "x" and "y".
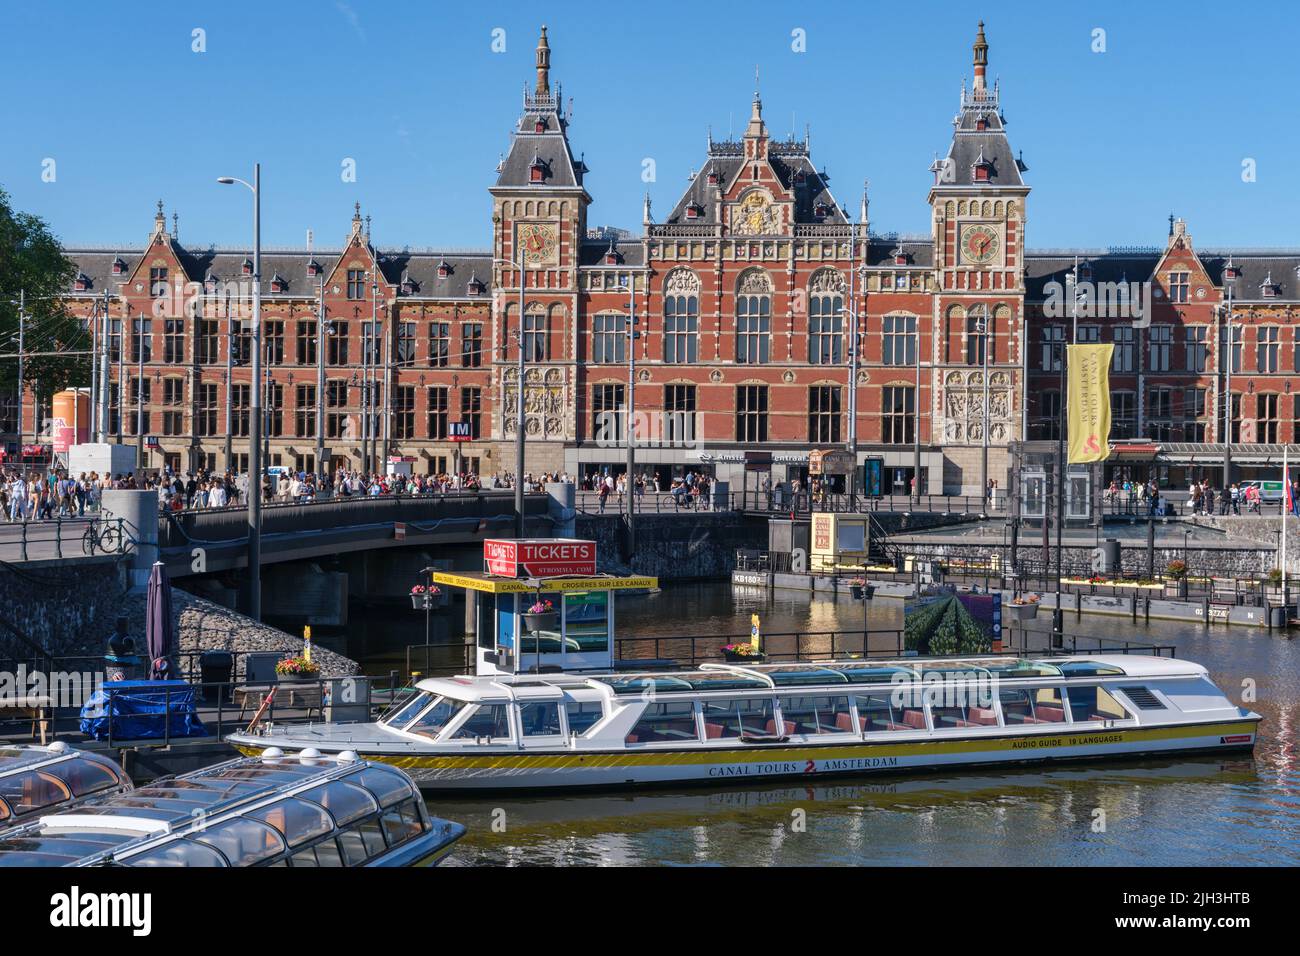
{"x": 747, "y": 294}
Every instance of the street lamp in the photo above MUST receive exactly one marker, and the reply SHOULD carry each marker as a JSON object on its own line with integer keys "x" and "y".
{"x": 519, "y": 399}
{"x": 255, "y": 403}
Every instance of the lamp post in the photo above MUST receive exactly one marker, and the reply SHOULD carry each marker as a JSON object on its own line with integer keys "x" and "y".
{"x": 1231, "y": 350}
{"x": 255, "y": 399}
{"x": 519, "y": 398}
{"x": 630, "y": 424}
{"x": 984, "y": 326}
{"x": 320, "y": 380}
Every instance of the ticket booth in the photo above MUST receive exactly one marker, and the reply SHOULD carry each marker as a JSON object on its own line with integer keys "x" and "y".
{"x": 839, "y": 540}
{"x": 576, "y": 632}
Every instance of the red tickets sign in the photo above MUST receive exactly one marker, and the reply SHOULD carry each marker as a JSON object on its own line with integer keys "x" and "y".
{"x": 538, "y": 557}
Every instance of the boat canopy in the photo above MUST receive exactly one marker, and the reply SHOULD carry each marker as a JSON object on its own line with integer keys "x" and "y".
{"x": 34, "y": 779}
{"x": 244, "y": 812}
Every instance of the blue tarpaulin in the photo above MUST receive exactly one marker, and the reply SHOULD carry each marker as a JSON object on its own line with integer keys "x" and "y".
{"x": 141, "y": 710}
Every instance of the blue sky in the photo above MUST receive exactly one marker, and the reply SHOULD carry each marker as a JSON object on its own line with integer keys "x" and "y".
{"x": 1160, "y": 122}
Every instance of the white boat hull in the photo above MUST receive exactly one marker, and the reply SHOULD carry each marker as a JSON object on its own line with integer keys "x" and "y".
{"x": 495, "y": 768}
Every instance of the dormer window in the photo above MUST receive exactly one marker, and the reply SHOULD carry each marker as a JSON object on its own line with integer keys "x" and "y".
{"x": 313, "y": 268}
{"x": 981, "y": 171}
{"x": 1267, "y": 289}
{"x": 900, "y": 256}
{"x": 278, "y": 283}
{"x": 821, "y": 210}
{"x": 81, "y": 283}
{"x": 475, "y": 286}
{"x": 210, "y": 283}
{"x": 408, "y": 284}
{"x": 694, "y": 210}
{"x": 981, "y": 124}
{"x": 246, "y": 268}
{"x": 713, "y": 179}
{"x": 444, "y": 269}
{"x": 536, "y": 170}
{"x": 539, "y": 125}
{"x": 800, "y": 177}
{"x": 611, "y": 255}
{"x": 119, "y": 267}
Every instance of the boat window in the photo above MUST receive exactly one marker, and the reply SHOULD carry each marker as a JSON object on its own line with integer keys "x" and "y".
{"x": 85, "y": 776}
{"x": 402, "y": 822}
{"x": 640, "y": 683}
{"x": 1090, "y": 669}
{"x": 243, "y": 841}
{"x": 586, "y": 621}
{"x": 1094, "y": 703}
{"x": 752, "y": 717}
{"x": 346, "y": 802}
{"x": 724, "y": 680}
{"x": 409, "y": 711}
{"x": 297, "y": 820}
{"x": 388, "y": 785}
{"x": 1035, "y": 705}
{"x": 818, "y": 715}
{"x": 805, "y": 675}
{"x": 944, "y": 717}
{"x": 881, "y": 712}
{"x": 323, "y": 854}
{"x": 583, "y": 716}
{"x": 665, "y": 722}
{"x": 178, "y": 853}
{"x": 32, "y": 789}
{"x": 489, "y": 720}
{"x": 361, "y": 843}
{"x": 875, "y": 674}
{"x": 1016, "y": 669}
{"x": 539, "y": 718}
{"x": 436, "y": 717}
{"x": 4, "y": 811}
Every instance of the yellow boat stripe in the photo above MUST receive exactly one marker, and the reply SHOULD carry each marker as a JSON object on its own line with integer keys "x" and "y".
{"x": 570, "y": 760}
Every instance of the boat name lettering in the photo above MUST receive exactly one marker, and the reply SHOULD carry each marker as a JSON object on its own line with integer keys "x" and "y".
{"x": 1038, "y": 742}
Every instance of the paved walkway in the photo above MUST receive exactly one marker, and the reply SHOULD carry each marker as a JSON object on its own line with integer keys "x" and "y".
{"x": 46, "y": 540}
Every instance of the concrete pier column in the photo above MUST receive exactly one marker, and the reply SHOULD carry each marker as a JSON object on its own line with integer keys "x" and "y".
{"x": 139, "y": 513}
{"x": 561, "y": 508}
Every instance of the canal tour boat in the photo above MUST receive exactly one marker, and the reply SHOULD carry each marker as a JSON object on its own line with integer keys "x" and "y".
{"x": 306, "y": 809}
{"x": 36, "y": 779}
{"x": 730, "y": 722}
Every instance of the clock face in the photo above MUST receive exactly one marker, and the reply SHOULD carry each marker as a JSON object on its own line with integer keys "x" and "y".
{"x": 979, "y": 243}
{"x": 540, "y": 242}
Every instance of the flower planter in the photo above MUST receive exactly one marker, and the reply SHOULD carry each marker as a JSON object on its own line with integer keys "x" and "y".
{"x": 297, "y": 678}
{"x": 731, "y": 657}
{"x": 868, "y": 592}
{"x": 1020, "y": 612}
{"x": 540, "y": 622}
{"x": 855, "y": 591}
{"x": 422, "y": 602}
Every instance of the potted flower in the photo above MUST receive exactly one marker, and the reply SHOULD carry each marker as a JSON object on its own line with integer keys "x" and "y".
{"x": 540, "y": 615}
{"x": 1176, "y": 571}
{"x": 856, "y": 586}
{"x": 423, "y": 598}
{"x": 296, "y": 668}
{"x": 742, "y": 653}
{"x": 1022, "y": 608}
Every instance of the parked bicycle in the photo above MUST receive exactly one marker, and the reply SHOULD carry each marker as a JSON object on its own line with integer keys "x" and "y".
{"x": 101, "y": 535}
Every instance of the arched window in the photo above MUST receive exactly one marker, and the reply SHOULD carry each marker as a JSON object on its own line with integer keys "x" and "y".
{"x": 754, "y": 318}
{"x": 826, "y": 318}
{"x": 681, "y": 317}
{"x": 979, "y": 336}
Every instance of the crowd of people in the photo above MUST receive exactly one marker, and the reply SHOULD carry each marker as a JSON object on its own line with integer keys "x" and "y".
{"x": 33, "y": 495}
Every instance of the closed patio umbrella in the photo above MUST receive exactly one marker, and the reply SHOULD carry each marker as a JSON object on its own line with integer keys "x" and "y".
{"x": 158, "y": 617}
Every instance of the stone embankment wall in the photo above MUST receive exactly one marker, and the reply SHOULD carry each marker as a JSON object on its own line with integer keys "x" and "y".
{"x": 696, "y": 545}
{"x": 1078, "y": 560}
{"x": 71, "y": 609}
{"x": 1263, "y": 530}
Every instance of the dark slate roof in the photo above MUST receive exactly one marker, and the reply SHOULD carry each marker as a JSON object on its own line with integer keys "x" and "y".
{"x": 919, "y": 252}
{"x": 970, "y": 144}
{"x": 1041, "y": 268}
{"x": 787, "y": 159}
{"x": 630, "y": 251}
{"x": 227, "y": 265}
{"x": 551, "y": 147}
{"x": 1282, "y": 271}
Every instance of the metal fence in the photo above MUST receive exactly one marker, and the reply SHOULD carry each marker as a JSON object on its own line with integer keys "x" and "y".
{"x": 55, "y": 538}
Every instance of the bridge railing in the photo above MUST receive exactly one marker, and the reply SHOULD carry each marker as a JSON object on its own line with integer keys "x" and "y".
{"x": 31, "y": 540}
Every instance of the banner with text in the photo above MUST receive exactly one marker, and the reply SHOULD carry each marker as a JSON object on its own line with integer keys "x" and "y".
{"x": 1088, "y": 368}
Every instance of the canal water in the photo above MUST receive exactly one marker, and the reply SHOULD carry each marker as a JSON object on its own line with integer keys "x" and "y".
{"x": 1191, "y": 811}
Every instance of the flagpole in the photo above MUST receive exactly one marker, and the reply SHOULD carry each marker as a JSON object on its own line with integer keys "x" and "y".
{"x": 1286, "y": 507}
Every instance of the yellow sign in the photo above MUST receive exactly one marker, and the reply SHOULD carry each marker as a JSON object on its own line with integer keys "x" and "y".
{"x": 1088, "y": 404}
{"x": 755, "y": 634}
{"x": 491, "y": 585}
{"x": 306, "y": 642}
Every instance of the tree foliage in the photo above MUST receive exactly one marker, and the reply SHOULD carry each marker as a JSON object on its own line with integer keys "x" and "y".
{"x": 32, "y": 262}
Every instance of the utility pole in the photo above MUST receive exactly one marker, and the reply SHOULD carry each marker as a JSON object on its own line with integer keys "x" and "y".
{"x": 387, "y": 400}
{"x": 985, "y": 329}
{"x": 93, "y": 326}
{"x": 320, "y": 380}
{"x": 851, "y": 435}
{"x": 22, "y": 326}
{"x": 630, "y": 426}
{"x": 519, "y": 402}
{"x": 139, "y": 392}
{"x": 103, "y": 359}
{"x": 121, "y": 370}
{"x": 1228, "y": 360}
{"x": 230, "y": 365}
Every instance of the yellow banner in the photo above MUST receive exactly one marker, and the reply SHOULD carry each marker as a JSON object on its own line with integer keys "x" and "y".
{"x": 490, "y": 585}
{"x": 1088, "y": 368}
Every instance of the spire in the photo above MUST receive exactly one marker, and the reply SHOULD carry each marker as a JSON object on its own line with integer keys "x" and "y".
{"x": 756, "y": 126}
{"x": 981, "y": 50}
{"x": 159, "y": 222}
{"x": 356, "y": 221}
{"x": 862, "y": 213}
{"x": 543, "y": 65}
{"x": 645, "y": 215}
{"x": 176, "y": 226}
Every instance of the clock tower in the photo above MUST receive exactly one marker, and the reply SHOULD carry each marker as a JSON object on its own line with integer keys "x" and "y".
{"x": 539, "y": 216}
{"x": 977, "y": 204}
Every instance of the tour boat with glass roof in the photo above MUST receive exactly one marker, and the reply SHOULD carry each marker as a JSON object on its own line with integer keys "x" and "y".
{"x": 306, "y": 809}
{"x": 723, "y": 722}
{"x": 37, "y": 779}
